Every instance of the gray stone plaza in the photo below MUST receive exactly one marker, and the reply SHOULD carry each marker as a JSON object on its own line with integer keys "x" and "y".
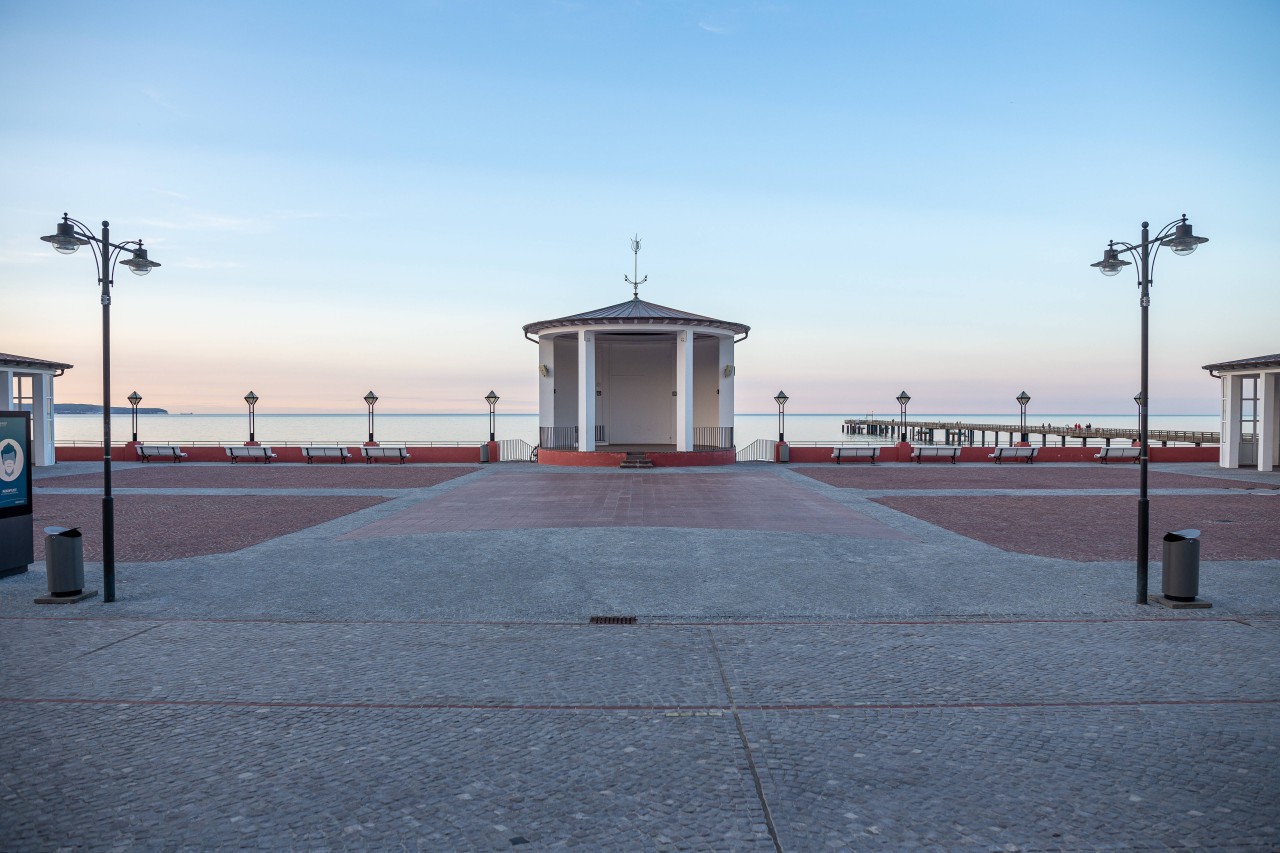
{"x": 417, "y": 675}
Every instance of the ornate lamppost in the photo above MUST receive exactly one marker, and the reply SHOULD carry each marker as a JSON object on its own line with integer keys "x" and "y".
{"x": 1178, "y": 237}
{"x": 781, "y": 399}
{"x": 1023, "y": 399}
{"x": 371, "y": 398}
{"x": 134, "y": 399}
{"x": 252, "y": 399}
{"x": 903, "y": 399}
{"x": 492, "y": 399}
{"x": 70, "y": 235}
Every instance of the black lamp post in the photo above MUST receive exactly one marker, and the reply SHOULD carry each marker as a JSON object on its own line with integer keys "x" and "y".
{"x": 134, "y": 399}
{"x": 492, "y": 399}
{"x": 781, "y": 399}
{"x": 252, "y": 399}
{"x": 1178, "y": 237}
{"x": 70, "y": 235}
{"x": 1023, "y": 399}
{"x": 371, "y": 398}
{"x": 903, "y": 399}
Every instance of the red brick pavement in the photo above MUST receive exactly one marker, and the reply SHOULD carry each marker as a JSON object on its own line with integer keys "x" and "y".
{"x": 160, "y": 475}
{"x": 1007, "y": 476}
{"x": 150, "y": 528}
{"x": 1233, "y": 527}
{"x": 733, "y": 501}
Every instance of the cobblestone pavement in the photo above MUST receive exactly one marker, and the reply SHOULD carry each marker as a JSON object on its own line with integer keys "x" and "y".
{"x": 441, "y": 690}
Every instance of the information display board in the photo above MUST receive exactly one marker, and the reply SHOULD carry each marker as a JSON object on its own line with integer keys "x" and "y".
{"x": 16, "y": 540}
{"x": 15, "y": 464}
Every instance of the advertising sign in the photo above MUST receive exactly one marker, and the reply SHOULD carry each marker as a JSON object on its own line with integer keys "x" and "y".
{"x": 15, "y": 464}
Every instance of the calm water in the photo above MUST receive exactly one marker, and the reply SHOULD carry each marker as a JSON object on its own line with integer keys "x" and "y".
{"x": 418, "y": 429}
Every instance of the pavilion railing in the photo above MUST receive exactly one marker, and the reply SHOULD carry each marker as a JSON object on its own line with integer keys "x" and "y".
{"x": 719, "y": 438}
{"x": 558, "y": 438}
{"x": 601, "y": 434}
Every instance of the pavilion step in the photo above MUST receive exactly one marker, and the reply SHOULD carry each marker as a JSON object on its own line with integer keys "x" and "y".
{"x": 636, "y": 460}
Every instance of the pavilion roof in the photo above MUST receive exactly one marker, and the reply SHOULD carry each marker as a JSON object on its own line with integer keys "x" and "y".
{"x": 636, "y": 312}
{"x": 20, "y": 361}
{"x": 1258, "y": 362}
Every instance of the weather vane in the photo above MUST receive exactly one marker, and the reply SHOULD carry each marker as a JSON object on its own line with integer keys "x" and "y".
{"x": 632, "y": 279}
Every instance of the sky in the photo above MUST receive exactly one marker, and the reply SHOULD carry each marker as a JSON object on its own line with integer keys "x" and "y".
{"x": 894, "y": 196}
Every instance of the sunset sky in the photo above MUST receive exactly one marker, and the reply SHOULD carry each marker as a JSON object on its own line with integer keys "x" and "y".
{"x": 892, "y": 195}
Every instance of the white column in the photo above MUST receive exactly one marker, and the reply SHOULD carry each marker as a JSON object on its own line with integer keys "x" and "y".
{"x": 726, "y": 381}
{"x": 546, "y": 382}
{"x": 1269, "y": 417}
{"x": 586, "y": 391}
{"x": 6, "y": 388}
{"x": 42, "y": 419}
{"x": 684, "y": 390}
{"x": 1232, "y": 395}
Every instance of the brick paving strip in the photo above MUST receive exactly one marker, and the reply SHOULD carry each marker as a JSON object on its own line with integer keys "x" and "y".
{"x": 155, "y": 475}
{"x": 1233, "y": 527}
{"x": 1010, "y": 476}
{"x": 747, "y": 500}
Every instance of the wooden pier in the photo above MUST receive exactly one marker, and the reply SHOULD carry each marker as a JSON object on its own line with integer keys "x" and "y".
{"x": 960, "y": 433}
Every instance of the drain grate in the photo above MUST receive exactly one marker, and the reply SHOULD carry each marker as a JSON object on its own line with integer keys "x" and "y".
{"x": 613, "y": 620}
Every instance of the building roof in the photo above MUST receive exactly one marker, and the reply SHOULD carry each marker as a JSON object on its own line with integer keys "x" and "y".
{"x": 22, "y": 361}
{"x": 1258, "y": 362}
{"x": 636, "y": 312}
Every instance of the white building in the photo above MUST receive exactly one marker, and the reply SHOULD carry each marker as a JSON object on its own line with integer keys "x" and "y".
{"x": 1250, "y": 412}
{"x": 27, "y": 384}
{"x": 635, "y": 376}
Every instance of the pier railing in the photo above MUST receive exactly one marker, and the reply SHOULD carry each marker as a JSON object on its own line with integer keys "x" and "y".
{"x": 975, "y": 434}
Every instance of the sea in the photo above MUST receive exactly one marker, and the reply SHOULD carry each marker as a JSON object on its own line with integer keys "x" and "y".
{"x": 352, "y": 429}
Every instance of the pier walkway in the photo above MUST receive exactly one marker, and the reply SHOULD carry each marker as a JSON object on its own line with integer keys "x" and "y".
{"x": 895, "y": 658}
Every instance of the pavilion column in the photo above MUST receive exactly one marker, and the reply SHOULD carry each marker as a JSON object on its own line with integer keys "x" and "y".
{"x": 726, "y": 382}
{"x": 586, "y": 391}
{"x": 42, "y": 419}
{"x": 6, "y": 388}
{"x": 1232, "y": 397}
{"x": 684, "y": 391}
{"x": 1269, "y": 420}
{"x": 547, "y": 382}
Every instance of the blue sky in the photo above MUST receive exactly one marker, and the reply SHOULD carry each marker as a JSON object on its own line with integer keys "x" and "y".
{"x": 893, "y": 196}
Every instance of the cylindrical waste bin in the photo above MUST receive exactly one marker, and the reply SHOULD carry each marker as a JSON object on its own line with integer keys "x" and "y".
{"x": 784, "y": 452}
{"x": 1181, "y": 576}
{"x": 484, "y": 453}
{"x": 64, "y": 560}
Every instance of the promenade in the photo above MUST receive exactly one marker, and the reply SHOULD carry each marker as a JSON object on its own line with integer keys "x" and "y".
{"x": 897, "y": 657}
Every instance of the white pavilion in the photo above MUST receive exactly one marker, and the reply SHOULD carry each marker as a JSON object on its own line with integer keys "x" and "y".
{"x": 1250, "y": 411}
{"x": 635, "y": 376}
{"x": 27, "y": 384}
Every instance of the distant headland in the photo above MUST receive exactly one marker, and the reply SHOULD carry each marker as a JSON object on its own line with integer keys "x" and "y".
{"x": 91, "y": 409}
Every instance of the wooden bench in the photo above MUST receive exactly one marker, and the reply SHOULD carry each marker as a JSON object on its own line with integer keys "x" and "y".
{"x": 250, "y": 452}
{"x": 953, "y": 453}
{"x": 1003, "y": 453}
{"x": 159, "y": 451}
{"x": 1105, "y": 454}
{"x": 372, "y": 453}
{"x": 326, "y": 452}
{"x": 838, "y": 453}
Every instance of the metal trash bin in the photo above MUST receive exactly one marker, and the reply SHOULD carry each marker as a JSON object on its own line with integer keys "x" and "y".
{"x": 1181, "y": 575}
{"x": 484, "y": 453}
{"x": 64, "y": 560}
{"x": 784, "y": 452}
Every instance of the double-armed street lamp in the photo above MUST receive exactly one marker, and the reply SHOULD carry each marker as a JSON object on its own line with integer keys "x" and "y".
{"x": 492, "y": 399}
{"x": 252, "y": 399}
{"x": 781, "y": 399}
{"x": 134, "y": 399}
{"x": 70, "y": 235}
{"x": 1023, "y": 399}
{"x": 371, "y": 398}
{"x": 1177, "y": 236}
{"x": 903, "y": 399}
